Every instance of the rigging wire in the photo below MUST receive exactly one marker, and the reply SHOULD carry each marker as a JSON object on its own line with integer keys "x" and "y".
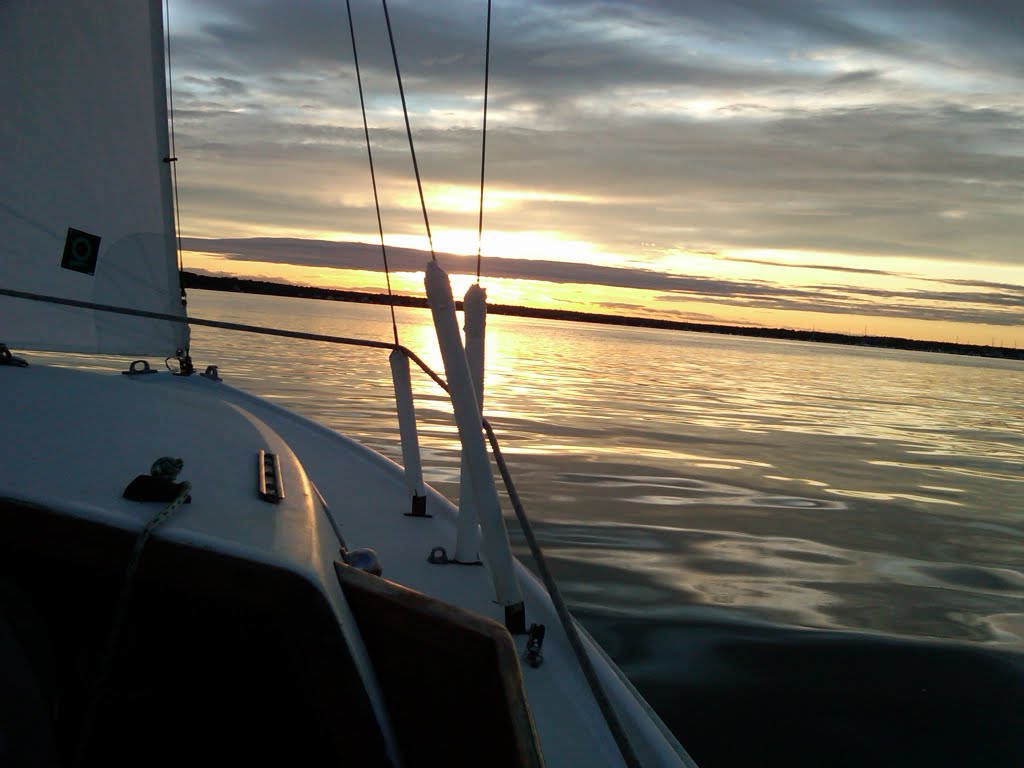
{"x": 572, "y": 634}
{"x": 373, "y": 175}
{"x": 183, "y": 320}
{"x": 173, "y": 159}
{"x": 408, "y": 130}
{"x": 483, "y": 143}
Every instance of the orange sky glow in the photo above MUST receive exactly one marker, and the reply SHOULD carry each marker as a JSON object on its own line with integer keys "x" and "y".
{"x": 664, "y": 162}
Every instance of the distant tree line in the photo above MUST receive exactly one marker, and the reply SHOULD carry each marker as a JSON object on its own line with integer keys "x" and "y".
{"x": 264, "y": 287}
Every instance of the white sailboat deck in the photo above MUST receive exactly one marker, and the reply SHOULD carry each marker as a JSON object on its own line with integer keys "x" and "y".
{"x": 106, "y": 429}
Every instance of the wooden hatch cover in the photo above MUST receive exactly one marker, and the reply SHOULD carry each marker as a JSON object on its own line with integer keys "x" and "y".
{"x": 451, "y": 678}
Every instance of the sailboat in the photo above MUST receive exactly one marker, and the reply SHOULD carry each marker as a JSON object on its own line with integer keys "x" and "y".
{"x": 189, "y": 573}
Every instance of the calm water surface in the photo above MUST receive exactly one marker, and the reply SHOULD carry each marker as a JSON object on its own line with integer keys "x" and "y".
{"x": 801, "y": 554}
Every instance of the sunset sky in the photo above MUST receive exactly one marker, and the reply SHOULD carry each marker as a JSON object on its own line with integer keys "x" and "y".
{"x": 846, "y": 166}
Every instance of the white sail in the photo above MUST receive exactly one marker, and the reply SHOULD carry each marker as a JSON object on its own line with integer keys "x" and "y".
{"x": 85, "y": 193}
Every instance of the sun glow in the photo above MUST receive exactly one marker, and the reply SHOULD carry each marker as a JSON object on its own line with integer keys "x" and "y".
{"x": 507, "y": 244}
{"x": 454, "y": 198}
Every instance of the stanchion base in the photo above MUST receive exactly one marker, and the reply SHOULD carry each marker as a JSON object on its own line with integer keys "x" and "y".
{"x": 419, "y": 507}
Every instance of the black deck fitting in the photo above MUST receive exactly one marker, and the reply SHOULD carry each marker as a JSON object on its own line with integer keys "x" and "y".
{"x": 419, "y": 507}
{"x": 515, "y": 618}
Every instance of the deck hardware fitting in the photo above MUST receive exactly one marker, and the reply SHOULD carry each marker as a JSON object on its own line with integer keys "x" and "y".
{"x": 515, "y": 618}
{"x": 364, "y": 558}
{"x": 138, "y": 368}
{"x": 533, "y": 656}
{"x": 6, "y": 358}
{"x": 419, "y": 507}
{"x": 268, "y": 469}
{"x": 185, "y": 367}
{"x": 438, "y": 556}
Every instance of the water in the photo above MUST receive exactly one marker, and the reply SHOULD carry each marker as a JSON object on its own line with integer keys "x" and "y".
{"x": 801, "y": 554}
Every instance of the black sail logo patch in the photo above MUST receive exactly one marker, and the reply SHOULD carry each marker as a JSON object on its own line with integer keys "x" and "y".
{"x": 80, "y": 251}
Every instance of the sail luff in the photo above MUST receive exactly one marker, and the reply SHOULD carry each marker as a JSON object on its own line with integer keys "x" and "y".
{"x": 160, "y": 74}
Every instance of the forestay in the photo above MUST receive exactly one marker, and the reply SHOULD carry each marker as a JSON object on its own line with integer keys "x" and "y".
{"x": 85, "y": 193}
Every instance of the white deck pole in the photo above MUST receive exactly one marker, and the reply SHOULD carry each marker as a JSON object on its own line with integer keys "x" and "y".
{"x": 474, "y": 311}
{"x": 467, "y": 419}
{"x": 407, "y": 429}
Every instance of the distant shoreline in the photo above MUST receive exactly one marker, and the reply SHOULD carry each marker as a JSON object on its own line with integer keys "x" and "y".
{"x": 264, "y": 287}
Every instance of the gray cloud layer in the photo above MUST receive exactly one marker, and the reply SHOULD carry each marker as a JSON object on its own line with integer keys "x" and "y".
{"x": 857, "y": 128}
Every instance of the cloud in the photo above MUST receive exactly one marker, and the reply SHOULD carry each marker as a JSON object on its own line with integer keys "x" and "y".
{"x": 1001, "y": 307}
{"x": 857, "y": 77}
{"x": 826, "y": 267}
{"x": 674, "y": 314}
{"x": 365, "y": 256}
{"x": 787, "y": 124}
{"x": 983, "y": 284}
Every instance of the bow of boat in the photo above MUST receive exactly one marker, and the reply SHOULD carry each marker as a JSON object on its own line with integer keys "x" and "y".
{"x": 272, "y": 565}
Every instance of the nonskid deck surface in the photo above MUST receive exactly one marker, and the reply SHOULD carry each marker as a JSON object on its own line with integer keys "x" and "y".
{"x": 115, "y": 426}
